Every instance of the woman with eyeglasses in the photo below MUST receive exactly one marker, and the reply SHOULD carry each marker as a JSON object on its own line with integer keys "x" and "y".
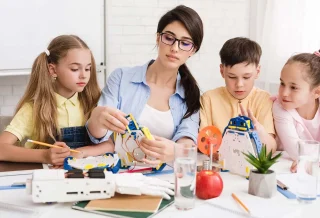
{"x": 161, "y": 94}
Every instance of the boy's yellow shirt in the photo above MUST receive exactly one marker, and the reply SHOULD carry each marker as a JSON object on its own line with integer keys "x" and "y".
{"x": 70, "y": 113}
{"x": 218, "y": 106}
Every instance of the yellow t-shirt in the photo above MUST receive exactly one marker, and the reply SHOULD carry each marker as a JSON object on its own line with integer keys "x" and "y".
{"x": 218, "y": 106}
{"x": 70, "y": 113}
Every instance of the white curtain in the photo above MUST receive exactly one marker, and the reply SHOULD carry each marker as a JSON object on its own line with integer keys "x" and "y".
{"x": 283, "y": 28}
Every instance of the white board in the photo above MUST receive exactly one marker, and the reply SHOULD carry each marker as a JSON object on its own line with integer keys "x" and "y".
{"x": 27, "y": 27}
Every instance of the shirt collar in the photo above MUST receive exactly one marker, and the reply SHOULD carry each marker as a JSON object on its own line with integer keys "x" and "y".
{"x": 61, "y": 100}
{"x": 140, "y": 77}
{"x": 235, "y": 100}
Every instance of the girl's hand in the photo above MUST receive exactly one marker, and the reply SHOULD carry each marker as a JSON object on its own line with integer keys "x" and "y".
{"x": 293, "y": 167}
{"x": 160, "y": 148}
{"x": 79, "y": 155}
{"x": 109, "y": 118}
{"x": 56, "y": 156}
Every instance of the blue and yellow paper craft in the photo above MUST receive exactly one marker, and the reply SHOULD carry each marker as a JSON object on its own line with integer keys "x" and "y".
{"x": 108, "y": 161}
{"x": 127, "y": 145}
{"x": 239, "y": 136}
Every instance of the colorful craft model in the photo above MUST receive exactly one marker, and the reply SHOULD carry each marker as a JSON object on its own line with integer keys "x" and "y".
{"x": 239, "y": 136}
{"x": 127, "y": 145}
{"x": 109, "y": 161}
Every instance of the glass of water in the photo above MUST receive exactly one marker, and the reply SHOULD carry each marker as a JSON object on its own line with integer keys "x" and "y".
{"x": 307, "y": 170}
{"x": 185, "y": 167}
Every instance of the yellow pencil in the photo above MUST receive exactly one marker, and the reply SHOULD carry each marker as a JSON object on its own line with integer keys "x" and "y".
{"x": 240, "y": 202}
{"x": 49, "y": 145}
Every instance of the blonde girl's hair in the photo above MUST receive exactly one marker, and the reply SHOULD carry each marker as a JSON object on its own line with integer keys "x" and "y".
{"x": 40, "y": 92}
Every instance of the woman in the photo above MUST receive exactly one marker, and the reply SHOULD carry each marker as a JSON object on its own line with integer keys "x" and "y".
{"x": 161, "y": 94}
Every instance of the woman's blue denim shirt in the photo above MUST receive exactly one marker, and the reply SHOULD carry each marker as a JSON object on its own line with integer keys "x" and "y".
{"x": 128, "y": 91}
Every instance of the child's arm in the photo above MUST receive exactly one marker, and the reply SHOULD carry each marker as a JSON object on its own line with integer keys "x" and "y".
{"x": 286, "y": 130}
{"x": 205, "y": 112}
{"x": 13, "y": 153}
{"x": 264, "y": 136}
{"x": 95, "y": 150}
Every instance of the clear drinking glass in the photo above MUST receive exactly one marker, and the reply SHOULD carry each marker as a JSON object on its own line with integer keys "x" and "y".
{"x": 185, "y": 167}
{"x": 307, "y": 171}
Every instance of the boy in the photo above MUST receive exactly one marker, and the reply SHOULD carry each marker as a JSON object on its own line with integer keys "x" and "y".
{"x": 239, "y": 67}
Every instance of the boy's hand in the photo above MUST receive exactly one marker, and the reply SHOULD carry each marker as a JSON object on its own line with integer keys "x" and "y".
{"x": 257, "y": 126}
{"x": 56, "y": 156}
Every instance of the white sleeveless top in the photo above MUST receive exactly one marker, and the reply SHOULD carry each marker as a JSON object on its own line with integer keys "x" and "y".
{"x": 160, "y": 123}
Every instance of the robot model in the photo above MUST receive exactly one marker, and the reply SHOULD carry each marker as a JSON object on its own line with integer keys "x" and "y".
{"x": 77, "y": 185}
{"x": 108, "y": 161}
{"x": 239, "y": 136}
{"x": 127, "y": 145}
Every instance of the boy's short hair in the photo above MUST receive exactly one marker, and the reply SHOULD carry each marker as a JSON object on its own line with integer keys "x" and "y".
{"x": 239, "y": 50}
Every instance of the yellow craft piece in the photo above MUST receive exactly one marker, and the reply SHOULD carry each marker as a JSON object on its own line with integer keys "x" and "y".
{"x": 146, "y": 132}
{"x": 101, "y": 164}
{"x": 134, "y": 121}
{"x": 123, "y": 162}
{"x": 247, "y": 172}
{"x": 129, "y": 156}
{"x": 248, "y": 122}
{"x": 74, "y": 159}
{"x": 88, "y": 166}
{"x": 158, "y": 167}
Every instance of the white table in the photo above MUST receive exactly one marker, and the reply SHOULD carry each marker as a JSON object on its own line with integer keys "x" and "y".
{"x": 232, "y": 183}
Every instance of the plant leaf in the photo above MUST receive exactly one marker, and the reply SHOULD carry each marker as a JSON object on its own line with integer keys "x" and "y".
{"x": 263, "y": 161}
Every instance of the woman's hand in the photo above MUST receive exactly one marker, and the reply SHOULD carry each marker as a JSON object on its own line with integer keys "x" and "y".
{"x": 108, "y": 118}
{"x": 160, "y": 148}
{"x": 56, "y": 156}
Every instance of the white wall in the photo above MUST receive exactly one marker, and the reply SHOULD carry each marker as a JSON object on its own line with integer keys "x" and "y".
{"x": 131, "y": 27}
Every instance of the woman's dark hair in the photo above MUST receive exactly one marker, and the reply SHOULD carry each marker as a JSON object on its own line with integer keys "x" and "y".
{"x": 193, "y": 23}
{"x": 312, "y": 66}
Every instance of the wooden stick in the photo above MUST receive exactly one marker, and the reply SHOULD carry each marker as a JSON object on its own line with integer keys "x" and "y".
{"x": 49, "y": 145}
{"x": 240, "y": 202}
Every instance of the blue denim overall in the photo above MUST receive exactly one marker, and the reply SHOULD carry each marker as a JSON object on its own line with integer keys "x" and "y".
{"x": 75, "y": 137}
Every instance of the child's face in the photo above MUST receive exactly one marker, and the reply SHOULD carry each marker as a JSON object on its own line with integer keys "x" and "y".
{"x": 240, "y": 78}
{"x": 171, "y": 56}
{"x": 72, "y": 71}
{"x": 294, "y": 89}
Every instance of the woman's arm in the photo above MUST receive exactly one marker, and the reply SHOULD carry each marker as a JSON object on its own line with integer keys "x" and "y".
{"x": 107, "y": 116}
{"x": 188, "y": 129}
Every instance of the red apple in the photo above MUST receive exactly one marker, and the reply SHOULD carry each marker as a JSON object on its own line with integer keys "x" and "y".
{"x": 209, "y": 184}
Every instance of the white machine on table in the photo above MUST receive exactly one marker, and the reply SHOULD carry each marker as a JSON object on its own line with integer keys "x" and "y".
{"x": 77, "y": 185}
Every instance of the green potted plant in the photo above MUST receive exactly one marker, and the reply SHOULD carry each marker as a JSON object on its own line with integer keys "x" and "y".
{"x": 262, "y": 181}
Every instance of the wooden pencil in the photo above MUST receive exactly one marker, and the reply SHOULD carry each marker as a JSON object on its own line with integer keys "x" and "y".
{"x": 49, "y": 145}
{"x": 240, "y": 202}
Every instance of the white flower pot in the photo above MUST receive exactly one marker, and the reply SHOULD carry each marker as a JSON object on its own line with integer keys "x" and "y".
{"x": 262, "y": 185}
